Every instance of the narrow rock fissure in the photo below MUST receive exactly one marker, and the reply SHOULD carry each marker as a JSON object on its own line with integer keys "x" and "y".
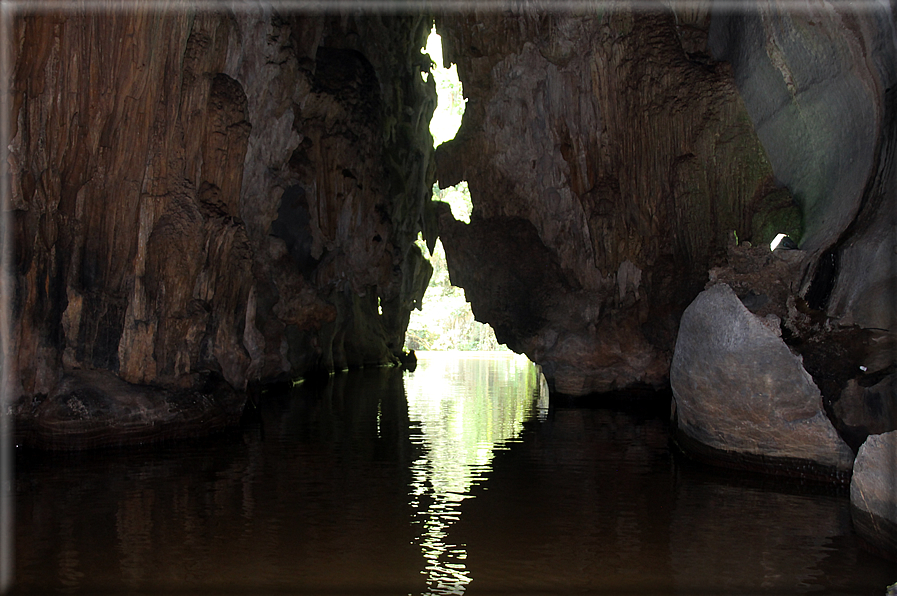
{"x": 445, "y": 319}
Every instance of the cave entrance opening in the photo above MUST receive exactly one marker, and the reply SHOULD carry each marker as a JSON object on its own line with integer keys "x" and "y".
{"x": 445, "y": 320}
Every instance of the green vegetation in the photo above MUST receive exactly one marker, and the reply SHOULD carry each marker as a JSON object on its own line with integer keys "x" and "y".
{"x": 445, "y": 321}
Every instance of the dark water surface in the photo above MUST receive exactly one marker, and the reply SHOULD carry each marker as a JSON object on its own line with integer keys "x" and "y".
{"x": 455, "y": 478}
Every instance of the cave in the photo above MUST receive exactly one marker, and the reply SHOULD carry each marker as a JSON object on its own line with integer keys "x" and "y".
{"x": 206, "y": 207}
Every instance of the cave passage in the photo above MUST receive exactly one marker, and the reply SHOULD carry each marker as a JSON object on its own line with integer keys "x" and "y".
{"x": 202, "y": 254}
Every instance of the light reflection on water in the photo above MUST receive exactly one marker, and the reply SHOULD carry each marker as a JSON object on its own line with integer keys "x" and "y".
{"x": 461, "y": 411}
{"x": 450, "y": 479}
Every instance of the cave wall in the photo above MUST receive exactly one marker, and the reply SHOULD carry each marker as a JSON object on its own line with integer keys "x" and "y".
{"x": 819, "y": 85}
{"x": 814, "y": 84}
{"x": 631, "y": 154}
{"x": 237, "y": 193}
{"x": 198, "y": 193}
{"x": 635, "y": 148}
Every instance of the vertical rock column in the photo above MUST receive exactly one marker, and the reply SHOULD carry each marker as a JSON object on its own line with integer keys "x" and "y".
{"x": 127, "y": 150}
{"x": 338, "y": 172}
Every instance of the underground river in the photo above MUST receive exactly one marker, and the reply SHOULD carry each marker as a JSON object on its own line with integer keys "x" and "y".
{"x": 457, "y": 477}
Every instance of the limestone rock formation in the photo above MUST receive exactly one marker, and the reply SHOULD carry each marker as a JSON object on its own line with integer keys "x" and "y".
{"x": 814, "y": 82}
{"x": 867, "y": 406}
{"x": 635, "y": 143}
{"x": 819, "y": 85}
{"x": 631, "y": 159}
{"x": 515, "y": 282}
{"x": 229, "y": 195}
{"x": 872, "y": 497}
{"x": 201, "y": 197}
{"x": 741, "y": 392}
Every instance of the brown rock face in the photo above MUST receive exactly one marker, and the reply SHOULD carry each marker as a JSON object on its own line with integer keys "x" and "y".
{"x": 631, "y": 159}
{"x": 202, "y": 197}
{"x": 215, "y": 194}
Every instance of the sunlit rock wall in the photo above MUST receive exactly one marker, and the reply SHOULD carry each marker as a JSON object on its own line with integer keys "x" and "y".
{"x": 234, "y": 194}
{"x": 629, "y": 156}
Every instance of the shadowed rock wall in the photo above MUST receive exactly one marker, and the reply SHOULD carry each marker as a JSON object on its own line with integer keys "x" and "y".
{"x": 820, "y": 87}
{"x": 814, "y": 84}
{"x": 631, "y": 155}
{"x": 197, "y": 194}
{"x": 236, "y": 195}
{"x": 634, "y": 143}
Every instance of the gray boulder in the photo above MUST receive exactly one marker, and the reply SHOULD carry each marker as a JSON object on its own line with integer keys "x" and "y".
{"x": 743, "y": 398}
{"x": 873, "y": 492}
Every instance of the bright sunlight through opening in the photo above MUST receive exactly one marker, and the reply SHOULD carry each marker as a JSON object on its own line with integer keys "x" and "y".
{"x": 450, "y": 107}
{"x": 775, "y": 241}
{"x": 445, "y": 321}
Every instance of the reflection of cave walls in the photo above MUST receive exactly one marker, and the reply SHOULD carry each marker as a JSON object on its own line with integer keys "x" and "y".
{"x": 199, "y": 193}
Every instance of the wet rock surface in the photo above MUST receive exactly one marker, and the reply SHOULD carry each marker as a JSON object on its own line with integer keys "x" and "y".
{"x": 90, "y": 409}
{"x": 872, "y": 496}
{"x": 738, "y": 389}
